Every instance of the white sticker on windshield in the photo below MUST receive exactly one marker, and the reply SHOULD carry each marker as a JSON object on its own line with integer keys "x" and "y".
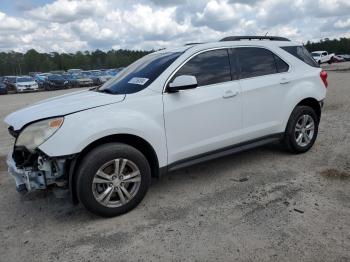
{"x": 138, "y": 81}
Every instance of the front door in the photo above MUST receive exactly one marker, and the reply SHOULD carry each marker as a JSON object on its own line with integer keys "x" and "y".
{"x": 205, "y": 118}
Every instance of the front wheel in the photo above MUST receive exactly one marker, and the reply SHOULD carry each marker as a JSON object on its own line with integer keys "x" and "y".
{"x": 302, "y": 129}
{"x": 113, "y": 179}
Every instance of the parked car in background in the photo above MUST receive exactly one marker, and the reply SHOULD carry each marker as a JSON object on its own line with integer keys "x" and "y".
{"x": 10, "y": 83}
{"x": 57, "y": 72}
{"x": 74, "y": 71}
{"x": 83, "y": 80}
{"x": 322, "y": 57}
{"x": 111, "y": 72}
{"x": 3, "y": 88}
{"x": 26, "y": 83}
{"x": 55, "y": 81}
{"x": 114, "y": 72}
{"x": 98, "y": 77}
{"x": 72, "y": 79}
{"x": 33, "y": 74}
{"x": 337, "y": 59}
{"x": 345, "y": 56}
{"x": 40, "y": 79}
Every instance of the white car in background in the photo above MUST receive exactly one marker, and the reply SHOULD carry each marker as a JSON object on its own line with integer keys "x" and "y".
{"x": 25, "y": 84}
{"x": 322, "y": 57}
{"x": 74, "y": 71}
{"x": 168, "y": 110}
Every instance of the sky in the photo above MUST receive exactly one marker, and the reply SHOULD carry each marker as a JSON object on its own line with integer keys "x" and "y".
{"x": 78, "y": 25}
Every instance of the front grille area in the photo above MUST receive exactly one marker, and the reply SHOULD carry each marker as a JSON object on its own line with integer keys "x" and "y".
{"x": 24, "y": 158}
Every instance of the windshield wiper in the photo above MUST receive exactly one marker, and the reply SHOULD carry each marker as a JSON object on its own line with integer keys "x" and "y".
{"x": 107, "y": 91}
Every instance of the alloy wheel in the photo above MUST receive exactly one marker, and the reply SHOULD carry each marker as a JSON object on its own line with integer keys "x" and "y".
{"x": 116, "y": 182}
{"x": 304, "y": 130}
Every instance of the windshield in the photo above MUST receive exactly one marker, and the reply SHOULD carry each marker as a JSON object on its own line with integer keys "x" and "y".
{"x": 11, "y": 79}
{"x": 74, "y": 71}
{"x": 315, "y": 54}
{"x": 80, "y": 76}
{"x": 55, "y": 77}
{"x": 96, "y": 73}
{"x": 140, "y": 74}
{"x": 24, "y": 79}
{"x": 86, "y": 74}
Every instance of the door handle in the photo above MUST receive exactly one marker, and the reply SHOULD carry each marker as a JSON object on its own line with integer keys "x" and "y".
{"x": 284, "y": 81}
{"x": 229, "y": 94}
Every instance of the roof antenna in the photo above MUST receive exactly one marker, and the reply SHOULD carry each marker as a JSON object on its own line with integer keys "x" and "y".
{"x": 266, "y": 33}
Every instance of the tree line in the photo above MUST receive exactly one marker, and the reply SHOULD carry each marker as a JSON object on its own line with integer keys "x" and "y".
{"x": 15, "y": 63}
{"x": 337, "y": 46}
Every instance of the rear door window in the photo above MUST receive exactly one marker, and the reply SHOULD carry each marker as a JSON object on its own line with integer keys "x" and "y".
{"x": 254, "y": 61}
{"x": 210, "y": 67}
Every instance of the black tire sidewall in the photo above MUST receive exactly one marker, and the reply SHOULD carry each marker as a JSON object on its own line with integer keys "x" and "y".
{"x": 290, "y": 131}
{"x": 98, "y": 157}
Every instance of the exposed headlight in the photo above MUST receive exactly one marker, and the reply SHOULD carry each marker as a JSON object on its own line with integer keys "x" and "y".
{"x": 65, "y": 82}
{"x": 36, "y": 134}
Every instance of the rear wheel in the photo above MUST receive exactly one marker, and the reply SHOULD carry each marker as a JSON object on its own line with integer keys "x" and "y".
{"x": 113, "y": 179}
{"x": 302, "y": 129}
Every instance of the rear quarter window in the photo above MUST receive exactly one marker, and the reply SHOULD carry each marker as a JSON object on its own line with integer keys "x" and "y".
{"x": 281, "y": 65}
{"x": 302, "y": 54}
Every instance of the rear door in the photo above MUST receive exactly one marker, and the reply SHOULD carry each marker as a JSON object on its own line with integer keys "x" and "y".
{"x": 205, "y": 118}
{"x": 264, "y": 80}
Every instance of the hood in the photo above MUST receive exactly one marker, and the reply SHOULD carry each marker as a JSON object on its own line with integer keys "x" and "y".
{"x": 26, "y": 83}
{"x": 60, "y": 106}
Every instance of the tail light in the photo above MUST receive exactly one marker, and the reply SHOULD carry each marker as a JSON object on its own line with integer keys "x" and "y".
{"x": 324, "y": 76}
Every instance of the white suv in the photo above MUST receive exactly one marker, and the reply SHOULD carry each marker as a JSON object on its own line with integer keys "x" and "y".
{"x": 168, "y": 110}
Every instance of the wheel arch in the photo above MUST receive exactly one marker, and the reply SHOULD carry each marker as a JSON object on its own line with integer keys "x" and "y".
{"x": 313, "y": 103}
{"x": 308, "y": 101}
{"x": 132, "y": 140}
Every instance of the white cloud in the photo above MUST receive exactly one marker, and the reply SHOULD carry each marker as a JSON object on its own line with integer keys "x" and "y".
{"x": 11, "y": 24}
{"x": 342, "y": 24}
{"x": 72, "y": 25}
{"x": 220, "y": 15}
{"x": 64, "y": 11}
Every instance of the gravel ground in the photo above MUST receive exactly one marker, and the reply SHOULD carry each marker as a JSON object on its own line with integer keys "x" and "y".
{"x": 288, "y": 207}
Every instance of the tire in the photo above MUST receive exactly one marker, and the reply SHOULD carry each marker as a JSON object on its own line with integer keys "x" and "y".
{"x": 309, "y": 135}
{"x": 90, "y": 188}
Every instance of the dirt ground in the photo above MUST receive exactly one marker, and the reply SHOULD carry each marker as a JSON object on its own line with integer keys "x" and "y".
{"x": 261, "y": 205}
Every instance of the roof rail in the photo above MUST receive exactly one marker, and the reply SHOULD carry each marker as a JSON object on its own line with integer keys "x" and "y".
{"x": 193, "y": 43}
{"x": 238, "y": 38}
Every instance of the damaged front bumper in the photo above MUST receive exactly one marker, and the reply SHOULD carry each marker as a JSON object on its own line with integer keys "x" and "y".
{"x": 42, "y": 173}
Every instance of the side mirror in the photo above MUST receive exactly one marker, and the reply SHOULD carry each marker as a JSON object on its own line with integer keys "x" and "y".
{"x": 182, "y": 82}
